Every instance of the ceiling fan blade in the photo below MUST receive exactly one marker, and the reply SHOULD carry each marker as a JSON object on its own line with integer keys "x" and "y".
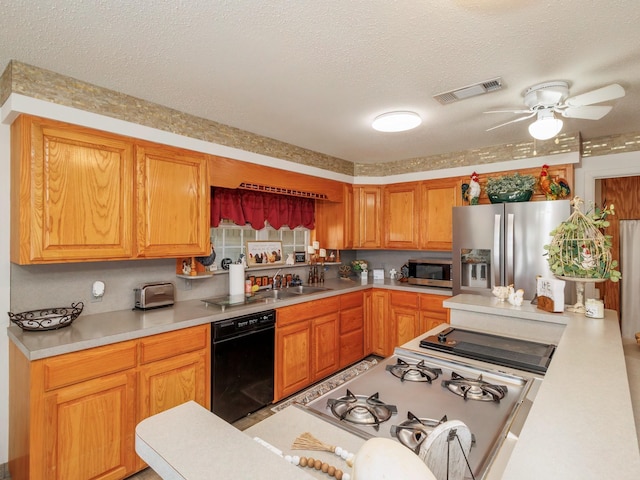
{"x": 588, "y": 112}
{"x": 507, "y": 111}
{"x": 610, "y": 92}
{"x": 511, "y": 121}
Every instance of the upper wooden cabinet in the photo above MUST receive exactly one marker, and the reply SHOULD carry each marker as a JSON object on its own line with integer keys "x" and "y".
{"x": 173, "y": 202}
{"x": 71, "y": 195}
{"x": 401, "y": 215}
{"x": 367, "y": 205}
{"x": 436, "y": 212}
{"x": 83, "y": 195}
{"x": 334, "y": 222}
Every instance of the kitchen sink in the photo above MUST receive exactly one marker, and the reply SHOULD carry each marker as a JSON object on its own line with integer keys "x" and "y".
{"x": 307, "y": 289}
{"x": 290, "y": 292}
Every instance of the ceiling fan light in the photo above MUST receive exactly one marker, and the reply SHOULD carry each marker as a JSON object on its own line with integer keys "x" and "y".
{"x": 545, "y": 127}
{"x": 396, "y": 121}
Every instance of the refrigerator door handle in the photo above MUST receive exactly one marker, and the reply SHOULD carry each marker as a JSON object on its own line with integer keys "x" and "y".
{"x": 509, "y": 251}
{"x": 497, "y": 227}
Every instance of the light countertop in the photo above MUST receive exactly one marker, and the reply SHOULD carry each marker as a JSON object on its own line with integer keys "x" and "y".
{"x": 89, "y": 331}
{"x": 581, "y": 424}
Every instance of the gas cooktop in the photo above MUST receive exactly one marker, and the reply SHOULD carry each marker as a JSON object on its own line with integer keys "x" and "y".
{"x": 409, "y": 396}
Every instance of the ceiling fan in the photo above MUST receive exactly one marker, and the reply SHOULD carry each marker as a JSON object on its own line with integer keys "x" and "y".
{"x": 546, "y": 99}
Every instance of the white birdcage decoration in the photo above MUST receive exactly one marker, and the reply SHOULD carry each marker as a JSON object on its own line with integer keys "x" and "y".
{"x": 580, "y": 252}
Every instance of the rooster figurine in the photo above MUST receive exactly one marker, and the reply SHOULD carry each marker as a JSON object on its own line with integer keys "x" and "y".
{"x": 553, "y": 189}
{"x": 472, "y": 191}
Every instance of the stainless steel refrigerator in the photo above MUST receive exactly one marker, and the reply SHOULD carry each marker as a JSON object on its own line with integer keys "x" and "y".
{"x": 502, "y": 244}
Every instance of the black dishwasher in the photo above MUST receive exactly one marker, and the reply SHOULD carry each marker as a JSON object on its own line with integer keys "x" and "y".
{"x": 242, "y": 371}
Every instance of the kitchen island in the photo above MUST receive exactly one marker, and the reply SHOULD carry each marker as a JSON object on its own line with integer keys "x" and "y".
{"x": 572, "y": 431}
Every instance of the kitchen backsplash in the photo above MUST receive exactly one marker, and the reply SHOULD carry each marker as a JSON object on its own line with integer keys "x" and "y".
{"x": 44, "y": 286}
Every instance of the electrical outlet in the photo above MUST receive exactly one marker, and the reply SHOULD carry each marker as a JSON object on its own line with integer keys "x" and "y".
{"x": 97, "y": 291}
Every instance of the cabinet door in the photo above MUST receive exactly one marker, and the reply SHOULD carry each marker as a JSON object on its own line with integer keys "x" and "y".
{"x": 367, "y": 213}
{"x": 378, "y": 323}
{"x": 401, "y": 215}
{"x": 72, "y": 193}
{"x": 173, "y": 202}
{"x": 404, "y": 316}
{"x": 432, "y": 313}
{"x": 438, "y": 199}
{"x": 334, "y": 222}
{"x": 90, "y": 428}
{"x": 324, "y": 347}
{"x": 293, "y": 362}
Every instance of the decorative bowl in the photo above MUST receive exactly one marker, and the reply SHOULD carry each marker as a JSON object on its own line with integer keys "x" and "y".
{"x": 509, "y": 197}
{"x": 47, "y": 319}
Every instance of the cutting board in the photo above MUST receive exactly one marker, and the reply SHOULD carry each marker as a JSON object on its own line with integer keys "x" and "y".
{"x": 443, "y": 455}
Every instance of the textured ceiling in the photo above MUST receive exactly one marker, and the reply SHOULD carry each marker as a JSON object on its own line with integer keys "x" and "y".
{"x": 315, "y": 73}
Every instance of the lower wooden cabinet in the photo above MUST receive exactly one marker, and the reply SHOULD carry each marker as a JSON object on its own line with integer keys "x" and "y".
{"x": 74, "y": 415}
{"x": 395, "y": 317}
{"x": 317, "y": 338}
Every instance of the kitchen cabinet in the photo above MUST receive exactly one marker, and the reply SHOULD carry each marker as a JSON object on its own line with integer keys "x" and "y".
{"x": 83, "y": 195}
{"x": 74, "y": 415}
{"x": 377, "y": 321}
{"x": 401, "y": 214}
{"x": 173, "y": 202}
{"x": 367, "y": 215}
{"x": 432, "y": 312}
{"x": 436, "y": 218}
{"x": 307, "y": 346}
{"x": 334, "y": 222}
{"x": 71, "y": 194}
{"x": 404, "y": 317}
{"x": 351, "y": 328}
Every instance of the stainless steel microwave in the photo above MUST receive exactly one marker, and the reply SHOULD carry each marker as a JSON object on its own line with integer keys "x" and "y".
{"x": 430, "y": 272}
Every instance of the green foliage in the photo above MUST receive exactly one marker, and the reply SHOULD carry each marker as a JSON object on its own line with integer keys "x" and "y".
{"x": 510, "y": 183}
{"x": 579, "y": 249}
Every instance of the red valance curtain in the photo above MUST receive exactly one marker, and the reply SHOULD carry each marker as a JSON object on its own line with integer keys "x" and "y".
{"x": 248, "y": 206}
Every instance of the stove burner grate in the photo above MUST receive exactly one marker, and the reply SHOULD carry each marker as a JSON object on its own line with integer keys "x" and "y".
{"x": 474, "y": 389}
{"x": 361, "y": 410}
{"x": 413, "y": 431}
{"x": 413, "y": 372}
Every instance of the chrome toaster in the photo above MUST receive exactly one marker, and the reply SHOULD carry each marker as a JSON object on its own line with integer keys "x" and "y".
{"x": 154, "y": 295}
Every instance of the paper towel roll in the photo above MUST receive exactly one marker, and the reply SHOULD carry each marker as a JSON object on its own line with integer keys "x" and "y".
{"x": 236, "y": 279}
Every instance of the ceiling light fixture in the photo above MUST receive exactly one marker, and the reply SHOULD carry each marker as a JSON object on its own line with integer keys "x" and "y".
{"x": 396, "y": 121}
{"x": 546, "y": 126}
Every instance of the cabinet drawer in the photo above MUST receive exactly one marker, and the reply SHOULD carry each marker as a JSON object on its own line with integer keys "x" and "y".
{"x": 351, "y": 319}
{"x": 171, "y": 344}
{"x": 307, "y": 310}
{"x": 351, "y": 300}
{"x": 404, "y": 299}
{"x": 96, "y": 362}
{"x": 351, "y": 347}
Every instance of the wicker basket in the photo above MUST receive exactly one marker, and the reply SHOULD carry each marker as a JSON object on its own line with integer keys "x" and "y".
{"x": 47, "y": 319}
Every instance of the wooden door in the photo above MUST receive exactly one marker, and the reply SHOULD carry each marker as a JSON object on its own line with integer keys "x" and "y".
{"x": 379, "y": 323}
{"x": 173, "y": 202}
{"x": 90, "y": 427}
{"x": 325, "y": 352}
{"x": 404, "y": 316}
{"x": 624, "y": 194}
{"x": 401, "y": 215}
{"x": 72, "y": 193}
{"x": 333, "y": 226}
{"x": 367, "y": 204}
{"x": 293, "y": 362}
{"x": 436, "y": 219}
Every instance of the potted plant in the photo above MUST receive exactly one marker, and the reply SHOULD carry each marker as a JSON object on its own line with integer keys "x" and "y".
{"x": 510, "y": 188}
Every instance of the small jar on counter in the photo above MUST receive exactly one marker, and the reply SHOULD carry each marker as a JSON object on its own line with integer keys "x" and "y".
{"x": 594, "y": 308}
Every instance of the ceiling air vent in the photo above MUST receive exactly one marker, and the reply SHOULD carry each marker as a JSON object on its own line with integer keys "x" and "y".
{"x": 469, "y": 91}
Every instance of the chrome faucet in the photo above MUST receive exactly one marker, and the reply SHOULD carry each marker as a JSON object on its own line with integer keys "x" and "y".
{"x": 273, "y": 281}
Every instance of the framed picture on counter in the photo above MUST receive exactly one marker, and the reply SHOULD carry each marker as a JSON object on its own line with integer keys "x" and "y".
{"x": 264, "y": 253}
